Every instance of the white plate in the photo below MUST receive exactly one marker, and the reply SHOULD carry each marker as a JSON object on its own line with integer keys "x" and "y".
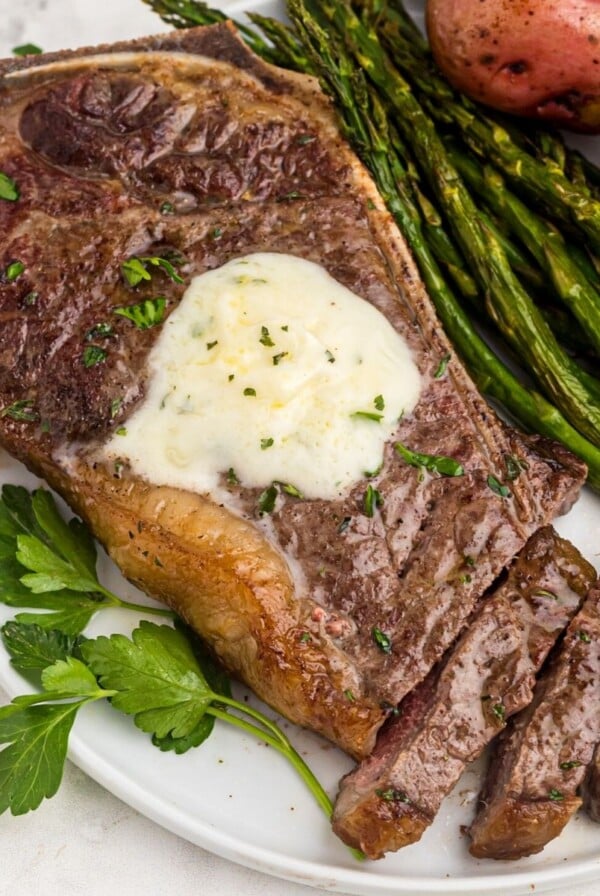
{"x": 234, "y": 796}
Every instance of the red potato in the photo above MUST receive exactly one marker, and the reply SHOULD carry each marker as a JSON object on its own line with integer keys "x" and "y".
{"x": 537, "y": 58}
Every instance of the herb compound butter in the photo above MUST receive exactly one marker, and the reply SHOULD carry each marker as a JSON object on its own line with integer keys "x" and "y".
{"x": 271, "y": 368}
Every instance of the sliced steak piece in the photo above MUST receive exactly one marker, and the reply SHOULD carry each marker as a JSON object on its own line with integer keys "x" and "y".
{"x": 533, "y": 781}
{"x": 189, "y": 144}
{"x": 394, "y": 795}
{"x": 591, "y": 788}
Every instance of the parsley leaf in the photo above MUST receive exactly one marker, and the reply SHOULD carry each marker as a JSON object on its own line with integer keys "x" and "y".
{"x": 135, "y": 269}
{"x": 32, "y": 648}
{"x": 146, "y": 314}
{"x": 368, "y": 415}
{"x": 93, "y": 355}
{"x": 23, "y": 411}
{"x": 27, "y": 50}
{"x": 496, "y": 486}
{"x": 8, "y": 188}
{"x": 446, "y": 466}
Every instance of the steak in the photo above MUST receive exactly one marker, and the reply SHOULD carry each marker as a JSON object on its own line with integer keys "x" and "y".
{"x": 394, "y": 795}
{"x": 533, "y": 781}
{"x": 189, "y": 146}
{"x": 591, "y": 788}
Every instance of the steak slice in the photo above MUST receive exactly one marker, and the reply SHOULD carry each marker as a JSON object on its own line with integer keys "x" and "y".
{"x": 532, "y": 784}
{"x": 591, "y": 788}
{"x": 394, "y": 795}
{"x": 188, "y": 144}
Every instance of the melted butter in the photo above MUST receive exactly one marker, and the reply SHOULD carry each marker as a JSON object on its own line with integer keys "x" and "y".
{"x": 262, "y": 369}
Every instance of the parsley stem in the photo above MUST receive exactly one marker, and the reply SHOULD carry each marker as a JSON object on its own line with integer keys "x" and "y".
{"x": 115, "y": 601}
{"x": 255, "y": 714}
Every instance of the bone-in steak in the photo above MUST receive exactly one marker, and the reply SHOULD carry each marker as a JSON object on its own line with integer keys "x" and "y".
{"x": 188, "y": 144}
{"x": 446, "y": 722}
{"x": 540, "y": 761}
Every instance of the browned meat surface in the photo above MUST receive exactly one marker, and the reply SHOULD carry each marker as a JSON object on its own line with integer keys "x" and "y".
{"x": 211, "y": 154}
{"x": 394, "y": 795}
{"x": 591, "y": 788}
{"x": 535, "y": 775}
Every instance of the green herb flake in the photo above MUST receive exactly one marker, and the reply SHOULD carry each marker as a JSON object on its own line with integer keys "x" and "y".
{"x": 305, "y": 139}
{"x": 27, "y": 50}
{"x": 583, "y": 636}
{"x": 382, "y": 640}
{"x": 371, "y": 205}
{"x": 567, "y": 766}
{"x": 496, "y": 486}
{"x": 146, "y": 314}
{"x": 266, "y": 500}
{"x": 279, "y": 357}
{"x": 330, "y": 357}
{"x": 99, "y": 331}
{"x": 499, "y": 711}
{"x": 304, "y": 637}
{"x": 216, "y": 233}
{"x": 8, "y": 188}
{"x": 210, "y": 345}
{"x": 14, "y": 271}
{"x": 372, "y": 500}
{"x": 446, "y": 466}
{"x": 391, "y": 795}
{"x": 115, "y": 407}
{"x": 231, "y": 377}
{"x": 121, "y": 431}
{"x": 514, "y": 467}
{"x": 555, "y": 795}
{"x": 291, "y": 490}
{"x": 367, "y": 415}
{"x": 135, "y": 269}
{"x": 349, "y": 696}
{"x": 442, "y": 367}
{"x": 93, "y": 355}
{"x": 344, "y": 524}
{"x": 285, "y": 328}
{"x": 31, "y": 298}
{"x": 23, "y": 411}
{"x": 542, "y": 592}
{"x": 470, "y": 561}
{"x": 266, "y": 443}
{"x": 379, "y": 402}
{"x": 265, "y": 338}
{"x": 249, "y": 391}
{"x": 231, "y": 477}
{"x": 293, "y": 194}
{"x": 167, "y": 208}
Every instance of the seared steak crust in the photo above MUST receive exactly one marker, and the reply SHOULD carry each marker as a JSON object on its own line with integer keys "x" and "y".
{"x": 190, "y": 145}
{"x": 539, "y": 764}
{"x": 591, "y": 788}
{"x": 394, "y": 795}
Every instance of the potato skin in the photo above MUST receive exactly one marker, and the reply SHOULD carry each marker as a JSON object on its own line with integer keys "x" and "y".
{"x": 535, "y": 58}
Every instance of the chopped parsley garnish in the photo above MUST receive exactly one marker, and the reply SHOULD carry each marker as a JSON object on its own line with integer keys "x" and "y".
{"x": 293, "y": 194}
{"x": 446, "y": 466}
{"x": 115, "y": 407}
{"x": 121, "y": 431}
{"x": 249, "y": 391}
{"x": 14, "y": 271}
{"x": 372, "y": 500}
{"x": 265, "y": 338}
{"x": 231, "y": 377}
{"x": 556, "y": 795}
{"x": 330, "y": 357}
{"x": 266, "y": 500}
{"x": 27, "y": 50}
{"x": 146, "y": 314}
{"x": 304, "y": 139}
{"x": 210, "y": 345}
{"x": 379, "y": 402}
{"x": 285, "y": 328}
{"x": 566, "y": 766}
{"x": 304, "y": 637}
{"x": 496, "y": 486}
{"x": 93, "y": 355}
{"x": 371, "y": 205}
{"x": 583, "y": 636}
{"x": 542, "y": 592}
{"x": 216, "y": 232}
{"x": 231, "y": 477}
{"x": 266, "y": 443}
{"x": 278, "y": 358}
{"x": 31, "y": 298}
{"x": 290, "y": 489}
{"x": 135, "y": 269}
{"x": 344, "y": 524}
{"x": 349, "y": 696}
{"x": 442, "y": 367}
{"x": 22, "y": 410}
{"x": 514, "y": 467}
{"x": 99, "y": 331}
{"x": 382, "y": 640}
{"x": 8, "y": 188}
{"x": 167, "y": 208}
{"x": 371, "y": 474}
{"x": 469, "y": 560}
{"x": 499, "y": 711}
{"x": 390, "y": 795}
{"x": 368, "y": 415}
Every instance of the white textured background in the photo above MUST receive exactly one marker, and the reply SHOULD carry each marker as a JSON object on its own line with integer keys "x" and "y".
{"x": 85, "y": 841}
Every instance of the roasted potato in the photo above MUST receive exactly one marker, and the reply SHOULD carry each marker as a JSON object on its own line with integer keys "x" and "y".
{"x": 536, "y": 58}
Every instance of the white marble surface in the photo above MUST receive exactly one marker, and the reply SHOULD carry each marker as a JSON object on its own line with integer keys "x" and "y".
{"x": 85, "y": 840}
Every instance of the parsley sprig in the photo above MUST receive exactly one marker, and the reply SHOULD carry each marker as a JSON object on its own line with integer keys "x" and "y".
{"x": 156, "y": 676}
{"x": 135, "y": 269}
{"x": 49, "y": 565}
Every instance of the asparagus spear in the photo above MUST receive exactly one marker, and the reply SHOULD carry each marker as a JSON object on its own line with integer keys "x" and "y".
{"x": 547, "y": 186}
{"x": 541, "y": 238}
